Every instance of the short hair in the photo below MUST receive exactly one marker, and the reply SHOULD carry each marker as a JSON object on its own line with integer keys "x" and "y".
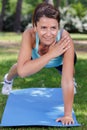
{"x": 45, "y": 9}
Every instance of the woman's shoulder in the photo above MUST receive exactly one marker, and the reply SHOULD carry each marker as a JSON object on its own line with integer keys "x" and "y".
{"x": 65, "y": 32}
{"x": 61, "y": 33}
{"x": 30, "y": 35}
{"x": 29, "y": 32}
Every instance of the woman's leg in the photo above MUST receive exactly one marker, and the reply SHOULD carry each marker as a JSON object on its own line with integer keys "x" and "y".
{"x": 12, "y": 72}
{"x": 8, "y": 80}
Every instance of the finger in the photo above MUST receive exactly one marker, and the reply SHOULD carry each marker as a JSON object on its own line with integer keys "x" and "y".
{"x": 64, "y": 39}
{"x": 69, "y": 122}
{"x": 53, "y": 43}
{"x": 65, "y": 49}
{"x": 58, "y": 119}
{"x": 72, "y": 122}
{"x": 65, "y": 44}
{"x": 63, "y": 122}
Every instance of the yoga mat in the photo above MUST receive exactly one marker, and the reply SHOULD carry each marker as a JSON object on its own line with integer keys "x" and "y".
{"x": 35, "y": 107}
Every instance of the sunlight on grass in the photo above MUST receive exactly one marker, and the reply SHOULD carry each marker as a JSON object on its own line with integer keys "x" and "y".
{"x": 79, "y": 112}
{"x": 10, "y": 37}
{"x": 8, "y": 58}
{"x": 79, "y": 36}
{"x": 82, "y": 55}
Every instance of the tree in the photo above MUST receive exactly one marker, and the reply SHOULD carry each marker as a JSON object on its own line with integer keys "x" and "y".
{"x": 49, "y": 1}
{"x": 17, "y": 21}
{"x": 4, "y": 2}
{"x": 57, "y": 3}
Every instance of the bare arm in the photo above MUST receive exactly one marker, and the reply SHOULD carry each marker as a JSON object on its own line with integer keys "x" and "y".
{"x": 26, "y": 66}
{"x": 67, "y": 83}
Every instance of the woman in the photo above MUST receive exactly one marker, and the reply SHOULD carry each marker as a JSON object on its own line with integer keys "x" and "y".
{"x": 45, "y": 45}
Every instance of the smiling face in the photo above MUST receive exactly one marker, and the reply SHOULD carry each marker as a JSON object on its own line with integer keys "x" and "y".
{"x": 47, "y": 29}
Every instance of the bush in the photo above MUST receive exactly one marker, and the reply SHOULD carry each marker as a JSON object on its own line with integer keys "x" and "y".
{"x": 71, "y": 21}
{"x": 84, "y": 23}
{"x": 9, "y": 24}
{"x": 25, "y": 20}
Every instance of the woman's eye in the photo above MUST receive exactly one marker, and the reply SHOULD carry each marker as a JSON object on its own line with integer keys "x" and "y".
{"x": 43, "y": 27}
{"x": 53, "y": 27}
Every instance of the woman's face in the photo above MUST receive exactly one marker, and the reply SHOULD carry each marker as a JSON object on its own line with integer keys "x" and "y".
{"x": 47, "y": 29}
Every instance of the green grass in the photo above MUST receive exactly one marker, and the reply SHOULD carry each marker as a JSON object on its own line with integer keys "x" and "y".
{"x": 15, "y": 37}
{"x": 79, "y": 36}
{"x": 10, "y": 37}
{"x": 47, "y": 78}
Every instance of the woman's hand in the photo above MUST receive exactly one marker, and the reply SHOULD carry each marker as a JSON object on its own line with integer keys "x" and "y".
{"x": 57, "y": 49}
{"x": 66, "y": 120}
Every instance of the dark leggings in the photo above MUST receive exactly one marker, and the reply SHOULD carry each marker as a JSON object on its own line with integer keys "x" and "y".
{"x": 59, "y": 68}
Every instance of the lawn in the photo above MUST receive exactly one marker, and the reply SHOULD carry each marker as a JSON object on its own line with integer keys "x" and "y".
{"x": 79, "y": 36}
{"x": 44, "y": 78}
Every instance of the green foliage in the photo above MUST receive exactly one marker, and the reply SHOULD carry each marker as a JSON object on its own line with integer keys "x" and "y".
{"x": 29, "y": 6}
{"x": 72, "y": 21}
{"x": 84, "y": 2}
{"x": 26, "y": 8}
{"x": 80, "y": 9}
{"x": 64, "y": 3}
{"x": 11, "y": 6}
{"x": 0, "y": 6}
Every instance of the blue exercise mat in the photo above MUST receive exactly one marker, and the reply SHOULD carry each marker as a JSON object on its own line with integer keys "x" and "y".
{"x": 35, "y": 107}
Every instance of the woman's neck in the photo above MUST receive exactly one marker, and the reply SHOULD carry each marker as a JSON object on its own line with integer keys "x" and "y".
{"x": 43, "y": 49}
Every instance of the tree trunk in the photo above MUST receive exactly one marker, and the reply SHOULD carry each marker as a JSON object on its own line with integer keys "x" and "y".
{"x": 17, "y": 21}
{"x": 57, "y": 3}
{"x": 49, "y": 1}
{"x": 67, "y": 3}
{"x": 2, "y": 14}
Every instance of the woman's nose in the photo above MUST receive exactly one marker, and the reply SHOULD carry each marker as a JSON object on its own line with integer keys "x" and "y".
{"x": 48, "y": 32}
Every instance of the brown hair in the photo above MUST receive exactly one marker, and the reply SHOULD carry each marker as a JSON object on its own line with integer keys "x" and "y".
{"x": 45, "y": 9}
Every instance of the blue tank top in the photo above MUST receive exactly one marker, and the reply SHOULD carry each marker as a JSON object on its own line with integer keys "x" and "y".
{"x": 53, "y": 62}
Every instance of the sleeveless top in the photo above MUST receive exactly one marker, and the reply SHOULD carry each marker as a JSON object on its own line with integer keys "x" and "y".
{"x": 55, "y": 62}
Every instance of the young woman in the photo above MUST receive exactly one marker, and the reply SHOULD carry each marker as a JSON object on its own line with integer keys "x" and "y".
{"x": 46, "y": 45}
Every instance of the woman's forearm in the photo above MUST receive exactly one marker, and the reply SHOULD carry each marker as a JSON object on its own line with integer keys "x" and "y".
{"x": 32, "y": 66}
{"x": 68, "y": 93}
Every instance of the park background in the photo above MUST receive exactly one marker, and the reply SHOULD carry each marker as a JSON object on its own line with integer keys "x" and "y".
{"x": 15, "y": 16}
